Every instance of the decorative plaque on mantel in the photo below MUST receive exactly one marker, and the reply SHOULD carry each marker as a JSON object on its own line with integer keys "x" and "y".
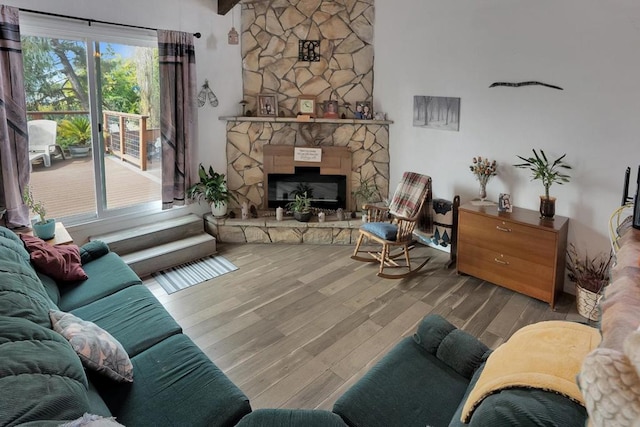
{"x": 301, "y": 154}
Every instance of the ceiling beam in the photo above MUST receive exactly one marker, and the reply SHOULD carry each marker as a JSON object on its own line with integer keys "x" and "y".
{"x": 225, "y": 6}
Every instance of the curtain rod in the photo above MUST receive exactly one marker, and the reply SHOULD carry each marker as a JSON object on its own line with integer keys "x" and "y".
{"x": 97, "y": 21}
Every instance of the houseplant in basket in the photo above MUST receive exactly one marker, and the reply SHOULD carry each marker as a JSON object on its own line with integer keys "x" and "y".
{"x": 43, "y": 228}
{"x": 213, "y": 189}
{"x": 591, "y": 275}
{"x": 549, "y": 173}
{"x": 365, "y": 193}
{"x": 301, "y": 207}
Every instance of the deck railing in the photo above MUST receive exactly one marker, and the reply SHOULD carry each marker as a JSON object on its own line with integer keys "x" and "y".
{"x": 136, "y": 144}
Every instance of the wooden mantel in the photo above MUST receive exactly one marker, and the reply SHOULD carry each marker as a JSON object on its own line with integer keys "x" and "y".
{"x": 225, "y": 6}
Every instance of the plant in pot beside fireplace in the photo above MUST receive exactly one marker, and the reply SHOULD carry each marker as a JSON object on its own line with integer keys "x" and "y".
{"x": 301, "y": 207}
{"x": 549, "y": 173}
{"x": 212, "y": 188}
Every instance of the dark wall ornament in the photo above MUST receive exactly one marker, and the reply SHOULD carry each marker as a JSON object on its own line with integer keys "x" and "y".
{"x": 309, "y": 50}
{"x": 525, "y": 84}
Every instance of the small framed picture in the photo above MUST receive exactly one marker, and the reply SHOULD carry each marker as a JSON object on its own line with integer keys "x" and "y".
{"x": 504, "y": 203}
{"x": 267, "y": 105}
{"x": 363, "y": 110}
{"x": 307, "y": 105}
{"x": 330, "y": 109}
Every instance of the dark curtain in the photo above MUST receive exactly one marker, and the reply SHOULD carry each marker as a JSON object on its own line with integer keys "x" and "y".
{"x": 178, "y": 124}
{"x": 14, "y": 146}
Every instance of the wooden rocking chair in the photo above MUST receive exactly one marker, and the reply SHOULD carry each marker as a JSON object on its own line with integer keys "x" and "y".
{"x": 393, "y": 227}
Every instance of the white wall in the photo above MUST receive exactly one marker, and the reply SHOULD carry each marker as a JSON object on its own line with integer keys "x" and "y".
{"x": 458, "y": 48}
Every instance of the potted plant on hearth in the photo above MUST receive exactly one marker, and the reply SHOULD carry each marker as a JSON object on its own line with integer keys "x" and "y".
{"x": 301, "y": 207}
{"x": 367, "y": 192}
{"x": 42, "y": 227}
{"x": 213, "y": 189}
{"x": 76, "y": 136}
{"x": 549, "y": 173}
{"x": 591, "y": 275}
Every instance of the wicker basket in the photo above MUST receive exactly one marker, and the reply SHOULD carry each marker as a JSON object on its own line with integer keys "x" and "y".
{"x": 587, "y": 302}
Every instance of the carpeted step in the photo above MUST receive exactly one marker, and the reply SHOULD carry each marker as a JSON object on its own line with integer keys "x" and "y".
{"x": 138, "y": 238}
{"x": 156, "y": 258}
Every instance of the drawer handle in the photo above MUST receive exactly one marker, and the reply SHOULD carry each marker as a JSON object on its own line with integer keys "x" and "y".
{"x": 505, "y": 229}
{"x": 499, "y": 261}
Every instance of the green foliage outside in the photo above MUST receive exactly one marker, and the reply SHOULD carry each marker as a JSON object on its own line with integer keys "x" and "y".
{"x": 75, "y": 131}
{"x": 55, "y": 74}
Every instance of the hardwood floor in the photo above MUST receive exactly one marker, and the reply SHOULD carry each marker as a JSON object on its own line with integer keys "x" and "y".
{"x": 297, "y": 325}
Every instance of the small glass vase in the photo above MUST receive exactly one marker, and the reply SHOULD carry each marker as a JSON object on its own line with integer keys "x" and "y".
{"x": 483, "y": 191}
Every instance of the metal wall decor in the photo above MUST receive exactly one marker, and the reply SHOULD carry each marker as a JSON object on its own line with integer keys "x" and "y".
{"x": 309, "y": 50}
{"x": 525, "y": 84}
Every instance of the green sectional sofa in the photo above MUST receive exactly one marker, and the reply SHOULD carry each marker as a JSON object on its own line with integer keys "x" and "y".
{"x": 423, "y": 381}
{"x": 43, "y": 380}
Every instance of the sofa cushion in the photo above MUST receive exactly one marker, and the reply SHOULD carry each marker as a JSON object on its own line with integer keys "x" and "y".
{"x": 97, "y": 349}
{"x": 107, "y": 275}
{"x": 22, "y": 294}
{"x": 545, "y": 355}
{"x": 133, "y": 316}
{"x": 461, "y": 351}
{"x": 176, "y": 384}
{"x": 10, "y": 240}
{"x": 291, "y": 418}
{"x": 60, "y": 262}
{"x": 41, "y": 377}
{"x": 93, "y": 250}
{"x": 521, "y": 407}
{"x": 409, "y": 386}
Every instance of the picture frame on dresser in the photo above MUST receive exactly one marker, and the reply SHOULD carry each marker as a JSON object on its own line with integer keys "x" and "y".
{"x": 504, "y": 203}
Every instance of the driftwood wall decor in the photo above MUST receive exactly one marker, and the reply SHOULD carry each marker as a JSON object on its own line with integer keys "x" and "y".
{"x": 525, "y": 84}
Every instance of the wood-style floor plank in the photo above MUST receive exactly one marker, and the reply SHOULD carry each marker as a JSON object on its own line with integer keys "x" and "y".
{"x": 297, "y": 325}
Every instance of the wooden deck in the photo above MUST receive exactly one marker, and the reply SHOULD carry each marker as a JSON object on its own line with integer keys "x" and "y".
{"x": 67, "y": 187}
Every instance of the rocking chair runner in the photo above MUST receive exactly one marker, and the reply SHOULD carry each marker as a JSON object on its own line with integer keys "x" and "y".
{"x": 393, "y": 227}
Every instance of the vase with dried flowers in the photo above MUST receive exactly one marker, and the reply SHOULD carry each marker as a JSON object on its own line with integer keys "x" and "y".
{"x": 483, "y": 169}
{"x": 591, "y": 275}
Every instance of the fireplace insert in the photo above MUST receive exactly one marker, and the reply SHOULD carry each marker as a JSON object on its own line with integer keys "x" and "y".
{"x": 325, "y": 191}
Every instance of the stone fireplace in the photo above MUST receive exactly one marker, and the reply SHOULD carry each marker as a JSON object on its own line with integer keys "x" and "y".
{"x": 271, "y": 34}
{"x": 258, "y": 147}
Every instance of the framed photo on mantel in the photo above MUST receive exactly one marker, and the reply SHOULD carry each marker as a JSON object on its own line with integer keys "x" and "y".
{"x": 267, "y": 105}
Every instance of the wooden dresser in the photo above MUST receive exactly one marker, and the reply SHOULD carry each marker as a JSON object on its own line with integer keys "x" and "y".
{"x": 517, "y": 250}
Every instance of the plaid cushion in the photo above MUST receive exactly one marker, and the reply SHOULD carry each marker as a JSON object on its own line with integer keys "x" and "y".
{"x": 410, "y": 192}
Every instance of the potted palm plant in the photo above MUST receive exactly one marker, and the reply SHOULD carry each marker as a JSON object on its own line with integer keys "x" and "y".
{"x": 301, "y": 207}
{"x": 76, "y": 135}
{"x": 212, "y": 188}
{"x": 367, "y": 192}
{"x": 549, "y": 173}
{"x": 591, "y": 275}
{"x": 43, "y": 228}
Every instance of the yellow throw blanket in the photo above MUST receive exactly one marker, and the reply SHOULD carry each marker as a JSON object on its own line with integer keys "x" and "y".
{"x": 545, "y": 355}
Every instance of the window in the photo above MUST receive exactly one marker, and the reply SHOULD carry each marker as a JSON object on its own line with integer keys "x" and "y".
{"x": 100, "y": 85}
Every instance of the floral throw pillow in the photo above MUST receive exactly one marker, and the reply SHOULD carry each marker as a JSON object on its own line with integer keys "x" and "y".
{"x": 98, "y": 350}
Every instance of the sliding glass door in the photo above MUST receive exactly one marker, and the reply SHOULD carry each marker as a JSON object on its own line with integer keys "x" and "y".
{"x": 102, "y": 92}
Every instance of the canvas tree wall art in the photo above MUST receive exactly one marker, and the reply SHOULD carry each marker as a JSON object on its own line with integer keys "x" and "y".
{"x": 436, "y": 112}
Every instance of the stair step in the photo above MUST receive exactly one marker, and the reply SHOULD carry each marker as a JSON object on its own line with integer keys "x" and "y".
{"x": 150, "y": 260}
{"x": 139, "y": 238}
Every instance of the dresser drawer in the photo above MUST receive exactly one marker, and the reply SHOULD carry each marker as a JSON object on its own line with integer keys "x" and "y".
{"x": 518, "y": 274}
{"x": 505, "y": 236}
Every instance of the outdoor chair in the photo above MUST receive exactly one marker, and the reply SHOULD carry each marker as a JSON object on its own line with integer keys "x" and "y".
{"x": 392, "y": 227}
{"x": 42, "y": 140}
